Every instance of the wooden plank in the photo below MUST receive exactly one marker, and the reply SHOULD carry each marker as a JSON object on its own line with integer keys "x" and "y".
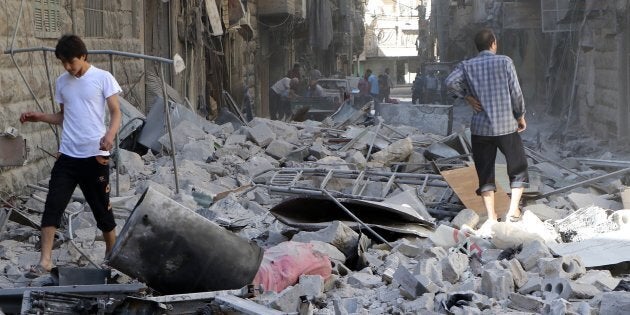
{"x": 464, "y": 183}
{"x": 214, "y": 17}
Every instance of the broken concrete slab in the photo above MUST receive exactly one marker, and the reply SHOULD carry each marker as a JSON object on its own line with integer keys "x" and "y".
{"x": 337, "y": 234}
{"x": 601, "y": 279}
{"x": 567, "y": 289}
{"x": 453, "y": 266}
{"x": 497, "y": 283}
{"x": 466, "y": 217}
{"x": 531, "y": 253}
{"x": 183, "y": 132}
{"x": 398, "y": 151}
{"x": 604, "y": 249}
{"x": 570, "y": 267}
{"x": 261, "y": 135}
{"x": 580, "y": 200}
{"x": 278, "y": 149}
{"x": 545, "y": 212}
{"x": 617, "y": 302}
{"x": 410, "y": 287}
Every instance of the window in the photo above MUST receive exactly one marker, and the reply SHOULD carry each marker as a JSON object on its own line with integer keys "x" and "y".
{"x": 47, "y": 18}
{"x": 93, "y": 18}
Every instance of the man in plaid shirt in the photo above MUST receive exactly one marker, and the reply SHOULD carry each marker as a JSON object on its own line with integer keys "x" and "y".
{"x": 489, "y": 84}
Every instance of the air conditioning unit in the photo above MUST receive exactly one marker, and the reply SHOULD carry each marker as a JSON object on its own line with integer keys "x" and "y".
{"x": 277, "y": 7}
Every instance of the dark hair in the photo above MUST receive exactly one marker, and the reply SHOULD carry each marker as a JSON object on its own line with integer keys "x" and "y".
{"x": 70, "y": 46}
{"x": 368, "y": 71}
{"x": 484, "y": 39}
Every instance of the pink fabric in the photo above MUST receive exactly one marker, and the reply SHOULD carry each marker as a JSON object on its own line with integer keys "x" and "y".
{"x": 283, "y": 264}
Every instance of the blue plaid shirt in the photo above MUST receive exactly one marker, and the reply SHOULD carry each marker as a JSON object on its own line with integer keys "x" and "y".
{"x": 492, "y": 80}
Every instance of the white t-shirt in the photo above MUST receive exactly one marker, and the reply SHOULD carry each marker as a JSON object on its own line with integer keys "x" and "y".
{"x": 84, "y": 101}
{"x": 282, "y": 86}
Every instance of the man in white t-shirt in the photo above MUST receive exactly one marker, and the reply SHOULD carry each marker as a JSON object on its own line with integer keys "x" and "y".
{"x": 82, "y": 92}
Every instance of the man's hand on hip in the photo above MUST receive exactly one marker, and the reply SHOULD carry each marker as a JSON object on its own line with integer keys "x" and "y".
{"x": 476, "y": 105}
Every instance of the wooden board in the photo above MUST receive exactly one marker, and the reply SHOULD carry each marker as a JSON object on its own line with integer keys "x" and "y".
{"x": 214, "y": 17}
{"x": 464, "y": 183}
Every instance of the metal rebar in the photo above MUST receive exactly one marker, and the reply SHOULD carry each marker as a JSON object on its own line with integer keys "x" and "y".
{"x": 52, "y": 94}
{"x": 592, "y": 180}
{"x": 167, "y": 112}
{"x": 116, "y": 138}
{"x": 354, "y": 217}
{"x": 378, "y": 127}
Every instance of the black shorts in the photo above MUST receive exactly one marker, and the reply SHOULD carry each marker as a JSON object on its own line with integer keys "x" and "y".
{"x": 484, "y": 149}
{"x": 92, "y": 177}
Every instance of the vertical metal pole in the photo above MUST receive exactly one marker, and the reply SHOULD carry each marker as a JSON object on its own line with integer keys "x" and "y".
{"x": 167, "y": 112}
{"x": 367, "y": 157}
{"x": 116, "y": 139}
{"x": 52, "y": 94}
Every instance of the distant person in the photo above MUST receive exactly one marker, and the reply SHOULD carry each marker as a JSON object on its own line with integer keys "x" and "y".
{"x": 373, "y": 84}
{"x": 295, "y": 72}
{"x": 279, "y": 94}
{"x": 314, "y": 89}
{"x": 385, "y": 86}
{"x": 490, "y": 85}
{"x": 417, "y": 89}
{"x": 363, "y": 85}
{"x": 314, "y": 74}
{"x": 83, "y": 93}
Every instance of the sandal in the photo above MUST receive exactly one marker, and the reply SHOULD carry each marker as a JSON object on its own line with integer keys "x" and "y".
{"x": 514, "y": 218}
{"x": 36, "y": 271}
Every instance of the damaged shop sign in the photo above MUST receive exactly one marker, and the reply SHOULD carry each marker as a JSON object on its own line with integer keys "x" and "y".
{"x": 313, "y": 213}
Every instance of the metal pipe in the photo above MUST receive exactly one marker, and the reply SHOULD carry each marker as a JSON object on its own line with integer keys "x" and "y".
{"x": 52, "y": 94}
{"x": 95, "y": 52}
{"x": 367, "y": 157}
{"x": 167, "y": 111}
{"x": 592, "y": 180}
{"x": 116, "y": 139}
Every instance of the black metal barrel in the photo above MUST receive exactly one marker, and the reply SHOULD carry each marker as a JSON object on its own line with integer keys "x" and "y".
{"x": 175, "y": 250}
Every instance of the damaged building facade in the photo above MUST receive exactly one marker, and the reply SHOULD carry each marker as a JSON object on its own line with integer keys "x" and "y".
{"x": 219, "y": 42}
{"x": 571, "y": 55}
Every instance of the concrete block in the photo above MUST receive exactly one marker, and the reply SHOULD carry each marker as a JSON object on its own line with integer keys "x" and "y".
{"x": 409, "y": 285}
{"x": 346, "y": 306}
{"x": 388, "y": 275}
{"x": 261, "y": 135}
{"x": 408, "y": 250}
{"x": 337, "y": 234}
{"x": 532, "y": 285}
{"x": 357, "y": 158}
{"x": 254, "y": 165}
{"x": 465, "y": 217}
{"x": 579, "y": 201}
{"x": 289, "y": 299}
{"x": 531, "y": 253}
{"x": 420, "y": 305}
{"x": 312, "y": 285}
{"x": 279, "y": 149}
{"x": 387, "y": 294}
{"x": 329, "y": 250}
{"x": 199, "y": 150}
{"x": 464, "y": 310}
{"x": 428, "y": 284}
{"x": 545, "y": 212}
{"x": 527, "y": 303}
{"x": 518, "y": 273}
{"x": 622, "y": 217}
{"x": 182, "y": 134}
{"x": 570, "y": 267}
{"x": 453, "y": 266}
{"x": 318, "y": 150}
{"x": 362, "y": 280}
{"x": 235, "y": 139}
{"x": 398, "y": 151}
{"x": 497, "y": 284}
{"x": 615, "y": 303}
{"x": 130, "y": 163}
{"x": 298, "y": 155}
{"x": 556, "y": 306}
{"x": 601, "y": 279}
{"x": 431, "y": 268}
{"x": 567, "y": 289}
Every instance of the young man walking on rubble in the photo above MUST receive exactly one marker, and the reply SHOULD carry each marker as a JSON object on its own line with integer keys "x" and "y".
{"x": 82, "y": 93}
{"x": 490, "y": 85}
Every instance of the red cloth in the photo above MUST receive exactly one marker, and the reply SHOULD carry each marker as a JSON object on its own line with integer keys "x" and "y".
{"x": 283, "y": 264}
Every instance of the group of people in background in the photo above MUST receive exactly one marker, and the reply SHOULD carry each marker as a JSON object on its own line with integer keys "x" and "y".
{"x": 378, "y": 87}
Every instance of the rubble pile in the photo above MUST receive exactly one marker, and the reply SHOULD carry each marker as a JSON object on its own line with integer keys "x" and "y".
{"x": 372, "y": 199}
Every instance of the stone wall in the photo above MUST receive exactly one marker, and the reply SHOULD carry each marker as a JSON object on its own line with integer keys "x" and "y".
{"x": 122, "y": 31}
{"x": 600, "y": 101}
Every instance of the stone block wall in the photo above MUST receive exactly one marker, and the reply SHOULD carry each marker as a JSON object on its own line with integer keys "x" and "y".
{"x": 600, "y": 97}
{"x": 122, "y": 31}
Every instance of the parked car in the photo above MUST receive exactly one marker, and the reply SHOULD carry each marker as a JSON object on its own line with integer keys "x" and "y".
{"x": 338, "y": 89}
